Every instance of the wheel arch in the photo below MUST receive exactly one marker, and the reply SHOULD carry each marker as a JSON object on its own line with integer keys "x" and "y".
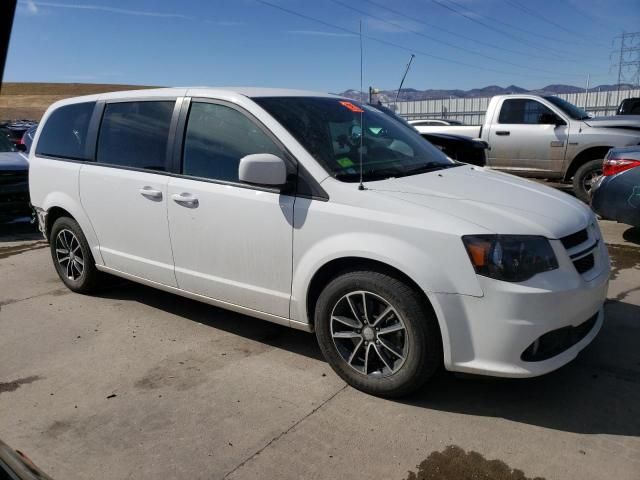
{"x": 588, "y": 154}
{"x": 59, "y": 204}
{"x": 336, "y": 266}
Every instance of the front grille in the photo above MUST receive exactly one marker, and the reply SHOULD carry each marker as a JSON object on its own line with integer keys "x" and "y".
{"x": 557, "y": 341}
{"x": 575, "y": 239}
{"x": 585, "y": 263}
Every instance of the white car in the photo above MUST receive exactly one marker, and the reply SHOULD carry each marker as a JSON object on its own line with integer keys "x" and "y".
{"x": 250, "y": 200}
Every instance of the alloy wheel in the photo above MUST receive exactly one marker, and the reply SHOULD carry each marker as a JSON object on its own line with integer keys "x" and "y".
{"x": 69, "y": 254}
{"x": 369, "y": 334}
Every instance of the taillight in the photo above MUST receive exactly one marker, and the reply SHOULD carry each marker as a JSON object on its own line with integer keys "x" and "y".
{"x": 612, "y": 166}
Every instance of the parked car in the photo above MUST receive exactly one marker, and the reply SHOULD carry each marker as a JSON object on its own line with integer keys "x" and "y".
{"x": 15, "y": 129}
{"x": 629, "y": 106}
{"x": 616, "y": 196}
{"x": 14, "y": 182}
{"x": 457, "y": 147}
{"x": 27, "y": 139}
{"x": 434, "y": 122}
{"x": 547, "y": 137}
{"x": 15, "y": 465}
{"x": 251, "y": 200}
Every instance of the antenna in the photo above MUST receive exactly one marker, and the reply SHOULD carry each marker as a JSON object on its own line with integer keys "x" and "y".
{"x": 403, "y": 77}
{"x": 361, "y": 186}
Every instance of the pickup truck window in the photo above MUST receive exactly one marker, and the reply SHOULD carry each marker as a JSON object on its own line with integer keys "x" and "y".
{"x": 522, "y": 111}
{"x": 569, "y": 108}
{"x": 330, "y": 129}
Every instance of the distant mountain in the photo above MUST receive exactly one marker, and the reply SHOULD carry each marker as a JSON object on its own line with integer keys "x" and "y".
{"x": 489, "y": 91}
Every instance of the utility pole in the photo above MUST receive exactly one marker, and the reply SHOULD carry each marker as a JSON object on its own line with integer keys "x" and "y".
{"x": 629, "y": 60}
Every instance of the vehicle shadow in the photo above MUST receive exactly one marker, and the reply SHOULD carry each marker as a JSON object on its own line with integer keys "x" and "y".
{"x": 272, "y": 334}
{"x": 597, "y": 393}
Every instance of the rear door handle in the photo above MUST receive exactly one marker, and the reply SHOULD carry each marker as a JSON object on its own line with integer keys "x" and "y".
{"x": 185, "y": 199}
{"x": 503, "y": 133}
{"x": 151, "y": 193}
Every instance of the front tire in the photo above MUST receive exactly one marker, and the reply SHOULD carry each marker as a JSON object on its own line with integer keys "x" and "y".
{"x": 377, "y": 334}
{"x": 584, "y": 178}
{"x": 72, "y": 256}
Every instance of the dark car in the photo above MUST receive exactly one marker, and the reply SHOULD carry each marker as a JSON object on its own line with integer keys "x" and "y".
{"x": 27, "y": 139}
{"x": 629, "y": 106}
{"x": 458, "y": 147}
{"x": 14, "y": 182}
{"x": 616, "y": 195}
{"x": 14, "y": 130}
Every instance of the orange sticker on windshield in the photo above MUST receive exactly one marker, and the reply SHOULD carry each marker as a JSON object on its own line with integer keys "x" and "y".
{"x": 352, "y": 107}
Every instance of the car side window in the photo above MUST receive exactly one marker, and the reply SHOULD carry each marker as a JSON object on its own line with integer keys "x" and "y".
{"x": 522, "y": 111}
{"x": 217, "y": 137}
{"x": 64, "y": 134}
{"x": 135, "y": 134}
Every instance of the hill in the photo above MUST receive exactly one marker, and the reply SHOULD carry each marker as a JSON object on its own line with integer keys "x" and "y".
{"x": 488, "y": 91}
{"x": 30, "y": 100}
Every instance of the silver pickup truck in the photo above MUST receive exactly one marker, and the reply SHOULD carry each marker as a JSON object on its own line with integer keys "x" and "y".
{"x": 547, "y": 137}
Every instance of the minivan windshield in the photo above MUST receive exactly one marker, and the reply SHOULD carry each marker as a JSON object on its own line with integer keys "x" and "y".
{"x": 569, "y": 108}
{"x": 336, "y": 131}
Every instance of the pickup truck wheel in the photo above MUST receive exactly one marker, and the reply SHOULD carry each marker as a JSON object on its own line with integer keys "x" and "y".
{"x": 376, "y": 333}
{"x": 72, "y": 256}
{"x": 584, "y": 177}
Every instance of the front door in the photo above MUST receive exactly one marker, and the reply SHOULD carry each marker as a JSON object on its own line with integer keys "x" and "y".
{"x": 125, "y": 192}
{"x": 231, "y": 242}
{"x": 520, "y": 141}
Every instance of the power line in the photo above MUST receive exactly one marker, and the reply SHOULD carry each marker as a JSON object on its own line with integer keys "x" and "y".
{"x": 459, "y": 35}
{"x": 535, "y": 14}
{"x": 495, "y": 29}
{"x": 434, "y": 39}
{"x": 388, "y": 43}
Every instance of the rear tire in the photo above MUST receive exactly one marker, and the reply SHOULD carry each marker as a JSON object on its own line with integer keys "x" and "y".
{"x": 584, "y": 177}
{"x": 72, "y": 256}
{"x": 386, "y": 354}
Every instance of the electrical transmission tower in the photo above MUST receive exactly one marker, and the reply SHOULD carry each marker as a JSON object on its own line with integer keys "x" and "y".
{"x": 629, "y": 59}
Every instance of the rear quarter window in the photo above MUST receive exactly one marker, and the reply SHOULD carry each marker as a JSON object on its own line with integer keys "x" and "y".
{"x": 64, "y": 134}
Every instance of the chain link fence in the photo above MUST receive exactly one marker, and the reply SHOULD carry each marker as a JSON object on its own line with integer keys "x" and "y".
{"x": 471, "y": 111}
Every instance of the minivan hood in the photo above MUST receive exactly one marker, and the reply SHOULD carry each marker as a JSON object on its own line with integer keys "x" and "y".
{"x": 616, "y": 121}
{"x": 494, "y": 201}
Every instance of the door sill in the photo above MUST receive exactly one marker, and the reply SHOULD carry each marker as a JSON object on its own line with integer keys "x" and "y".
{"x": 211, "y": 301}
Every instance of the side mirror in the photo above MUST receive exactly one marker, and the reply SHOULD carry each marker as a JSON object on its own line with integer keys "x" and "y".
{"x": 263, "y": 169}
{"x": 21, "y": 147}
{"x": 550, "y": 119}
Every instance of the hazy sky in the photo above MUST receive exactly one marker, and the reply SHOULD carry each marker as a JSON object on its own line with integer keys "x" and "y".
{"x": 311, "y": 44}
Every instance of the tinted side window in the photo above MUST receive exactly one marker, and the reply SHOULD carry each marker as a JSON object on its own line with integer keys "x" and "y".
{"x": 521, "y": 111}
{"x": 65, "y": 132}
{"x": 135, "y": 134}
{"x": 217, "y": 137}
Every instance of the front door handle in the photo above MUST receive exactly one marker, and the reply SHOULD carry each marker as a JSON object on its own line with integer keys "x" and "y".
{"x": 151, "y": 193}
{"x": 185, "y": 199}
{"x": 503, "y": 133}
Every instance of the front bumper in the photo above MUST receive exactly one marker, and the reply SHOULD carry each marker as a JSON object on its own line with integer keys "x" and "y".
{"x": 490, "y": 334}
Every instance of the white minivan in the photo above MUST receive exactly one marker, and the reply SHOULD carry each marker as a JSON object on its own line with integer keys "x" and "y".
{"x": 323, "y": 214}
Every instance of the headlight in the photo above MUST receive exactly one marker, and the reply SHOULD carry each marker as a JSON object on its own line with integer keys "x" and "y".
{"x": 512, "y": 258}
